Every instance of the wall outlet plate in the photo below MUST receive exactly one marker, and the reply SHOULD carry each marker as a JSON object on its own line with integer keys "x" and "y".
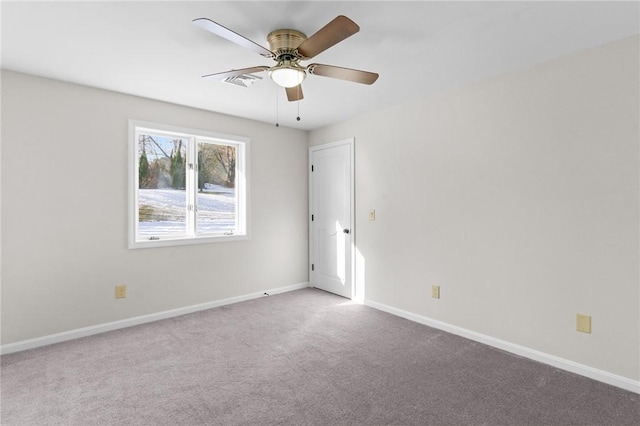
{"x": 583, "y": 323}
{"x": 121, "y": 291}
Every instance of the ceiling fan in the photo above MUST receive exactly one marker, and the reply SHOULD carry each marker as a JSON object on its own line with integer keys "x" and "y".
{"x": 288, "y": 47}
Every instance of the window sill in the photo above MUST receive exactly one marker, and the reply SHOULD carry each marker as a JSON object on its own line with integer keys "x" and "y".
{"x": 167, "y": 242}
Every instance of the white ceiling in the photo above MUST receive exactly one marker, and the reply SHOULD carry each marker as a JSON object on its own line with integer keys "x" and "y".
{"x": 419, "y": 48}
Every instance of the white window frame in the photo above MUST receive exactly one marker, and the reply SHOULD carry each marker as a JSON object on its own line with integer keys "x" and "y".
{"x": 242, "y": 145}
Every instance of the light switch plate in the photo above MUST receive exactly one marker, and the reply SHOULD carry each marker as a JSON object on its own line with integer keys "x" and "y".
{"x": 435, "y": 291}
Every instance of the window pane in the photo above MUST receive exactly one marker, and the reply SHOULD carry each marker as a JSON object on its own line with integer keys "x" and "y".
{"x": 216, "y": 198}
{"x": 162, "y": 198}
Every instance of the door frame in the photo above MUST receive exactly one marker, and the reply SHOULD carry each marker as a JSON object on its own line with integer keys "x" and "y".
{"x": 351, "y": 143}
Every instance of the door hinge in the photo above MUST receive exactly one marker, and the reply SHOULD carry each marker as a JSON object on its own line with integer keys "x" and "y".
{"x": 311, "y": 218}
{"x": 313, "y": 267}
{"x": 312, "y": 167}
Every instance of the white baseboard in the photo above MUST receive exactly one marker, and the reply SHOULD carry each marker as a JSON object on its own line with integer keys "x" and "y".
{"x": 115, "y": 325}
{"x": 561, "y": 363}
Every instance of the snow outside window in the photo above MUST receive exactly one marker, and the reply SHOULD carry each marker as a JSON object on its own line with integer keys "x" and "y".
{"x": 187, "y": 186}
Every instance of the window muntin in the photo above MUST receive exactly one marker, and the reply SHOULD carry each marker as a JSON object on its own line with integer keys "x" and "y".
{"x": 187, "y": 186}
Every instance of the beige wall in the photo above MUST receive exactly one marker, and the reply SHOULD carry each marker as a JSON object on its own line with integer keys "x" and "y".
{"x": 519, "y": 197}
{"x": 64, "y": 212}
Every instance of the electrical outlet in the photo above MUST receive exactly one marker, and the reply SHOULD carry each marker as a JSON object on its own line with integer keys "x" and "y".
{"x": 435, "y": 291}
{"x": 121, "y": 291}
{"x": 583, "y": 323}
{"x": 372, "y": 215}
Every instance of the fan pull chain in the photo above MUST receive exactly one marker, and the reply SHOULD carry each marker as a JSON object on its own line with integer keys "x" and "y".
{"x": 277, "y": 124}
{"x": 298, "y": 102}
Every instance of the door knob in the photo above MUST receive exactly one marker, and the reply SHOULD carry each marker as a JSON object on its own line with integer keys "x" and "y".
{"x": 345, "y": 230}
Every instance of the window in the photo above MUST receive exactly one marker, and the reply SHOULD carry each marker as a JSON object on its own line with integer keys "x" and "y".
{"x": 187, "y": 186}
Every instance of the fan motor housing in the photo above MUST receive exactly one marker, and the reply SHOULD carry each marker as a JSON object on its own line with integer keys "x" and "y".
{"x": 284, "y": 42}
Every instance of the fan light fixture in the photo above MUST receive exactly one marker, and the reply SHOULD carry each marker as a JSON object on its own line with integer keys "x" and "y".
{"x": 287, "y": 74}
{"x": 288, "y": 48}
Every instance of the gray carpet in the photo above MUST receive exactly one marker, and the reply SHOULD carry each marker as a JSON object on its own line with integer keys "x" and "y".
{"x": 300, "y": 358}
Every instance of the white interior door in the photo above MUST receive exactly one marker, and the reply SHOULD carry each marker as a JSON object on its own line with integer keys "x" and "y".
{"x": 331, "y": 226}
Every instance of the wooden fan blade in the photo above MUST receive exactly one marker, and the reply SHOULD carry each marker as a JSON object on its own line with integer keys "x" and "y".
{"x": 223, "y": 75}
{"x": 364, "y": 77}
{"x": 232, "y": 36}
{"x": 294, "y": 93}
{"x": 332, "y": 33}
